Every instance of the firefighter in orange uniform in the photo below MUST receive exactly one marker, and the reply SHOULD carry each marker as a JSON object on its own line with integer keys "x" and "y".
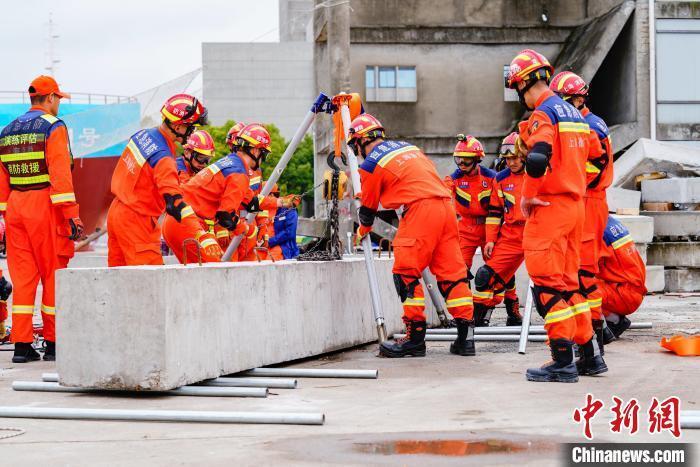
{"x": 559, "y": 144}
{"x": 621, "y": 278}
{"x": 218, "y": 192}
{"x": 146, "y": 184}
{"x": 196, "y": 155}
{"x": 223, "y": 236}
{"x": 264, "y": 221}
{"x": 471, "y": 189}
{"x": 397, "y": 174}
{"x": 41, "y": 214}
{"x": 503, "y": 251}
{"x": 599, "y": 175}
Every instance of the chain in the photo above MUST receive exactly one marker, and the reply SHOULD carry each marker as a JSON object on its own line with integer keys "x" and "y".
{"x": 332, "y": 252}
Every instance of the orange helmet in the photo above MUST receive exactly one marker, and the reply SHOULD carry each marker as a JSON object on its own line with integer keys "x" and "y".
{"x": 365, "y": 125}
{"x": 568, "y": 84}
{"x": 232, "y": 133}
{"x": 508, "y": 145}
{"x": 200, "y": 141}
{"x": 468, "y": 146}
{"x": 252, "y": 136}
{"x": 528, "y": 65}
{"x": 184, "y": 109}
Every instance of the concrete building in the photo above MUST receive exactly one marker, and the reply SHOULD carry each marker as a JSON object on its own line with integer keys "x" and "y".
{"x": 266, "y": 82}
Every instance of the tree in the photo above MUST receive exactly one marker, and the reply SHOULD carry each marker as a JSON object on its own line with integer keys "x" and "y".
{"x": 297, "y": 178}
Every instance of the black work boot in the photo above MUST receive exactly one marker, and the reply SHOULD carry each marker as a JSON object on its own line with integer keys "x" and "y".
{"x": 464, "y": 344}
{"x": 413, "y": 344}
{"x": 590, "y": 362}
{"x": 482, "y": 315}
{"x": 24, "y": 353}
{"x": 621, "y": 326}
{"x": 513, "y": 310}
{"x": 561, "y": 369}
{"x": 50, "y": 352}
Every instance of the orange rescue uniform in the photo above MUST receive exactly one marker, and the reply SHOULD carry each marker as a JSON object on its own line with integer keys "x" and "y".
{"x": 145, "y": 172}
{"x": 471, "y": 194}
{"x": 622, "y": 274}
{"x": 37, "y": 197}
{"x": 504, "y": 226}
{"x": 599, "y": 176}
{"x": 398, "y": 174}
{"x": 552, "y": 235}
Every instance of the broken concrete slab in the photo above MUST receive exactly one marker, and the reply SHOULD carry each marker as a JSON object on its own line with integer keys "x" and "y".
{"x": 647, "y": 156}
{"x": 655, "y": 280}
{"x": 152, "y": 333}
{"x": 682, "y": 280}
{"x": 675, "y": 223}
{"x": 671, "y": 190}
{"x": 674, "y": 254}
{"x": 620, "y": 198}
{"x": 641, "y": 227}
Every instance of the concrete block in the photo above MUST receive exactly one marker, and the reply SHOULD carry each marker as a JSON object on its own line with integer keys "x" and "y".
{"x": 642, "y": 249}
{"x": 641, "y": 227}
{"x": 675, "y": 223}
{"x": 139, "y": 328}
{"x": 91, "y": 260}
{"x": 671, "y": 190}
{"x": 674, "y": 254}
{"x": 682, "y": 280}
{"x": 620, "y": 198}
{"x": 647, "y": 156}
{"x": 655, "y": 281}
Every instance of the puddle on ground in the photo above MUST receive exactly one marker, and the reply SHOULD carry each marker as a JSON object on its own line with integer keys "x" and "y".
{"x": 442, "y": 447}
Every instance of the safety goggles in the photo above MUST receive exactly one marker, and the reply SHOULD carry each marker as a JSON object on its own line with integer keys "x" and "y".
{"x": 466, "y": 161}
{"x": 508, "y": 150}
{"x": 201, "y": 158}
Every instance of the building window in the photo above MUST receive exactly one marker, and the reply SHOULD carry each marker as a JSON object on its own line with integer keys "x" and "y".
{"x": 677, "y": 93}
{"x": 390, "y": 84}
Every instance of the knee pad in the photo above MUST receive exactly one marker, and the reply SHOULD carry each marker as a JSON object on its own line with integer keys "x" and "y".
{"x": 483, "y": 277}
{"x": 403, "y": 289}
{"x": 447, "y": 286}
{"x": 541, "y": 306}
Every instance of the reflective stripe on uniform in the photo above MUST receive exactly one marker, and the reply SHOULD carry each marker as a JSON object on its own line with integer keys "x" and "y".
{"x": 622, "y": 242}
{"x": 463, "y": 194}
{"x": 214, "y": 169}
{"x": 482, "y": 295}
{"x": 581, "y": 308}
{"x": 22, "y": 156}
{"x": 389, "y": 157}
{"x": 559, "y": 315}
{"x": 509, "y": 197}
{"x": 29, "y": 180}
{"x": 222, "y": 234}
{"x": 591, "y": 169}
{"x": 255, "y": 180}
{"x": 49, "y": 310}
{"x": 493, "y": 220}
{"x": 263, "y": 214}
{"x": 207, "y": 242}
{"x": 49, "y": 118}
{"x": 187, "y": 211}
{"x": 140, "y": 160}
{"x": 22, "y": 309}
{"x": 62, "y": 198}
{"x": 596, "y": 302}
{"x": 484, "y": 194}
{"x": 460, "y": 301}
{"x": 3, "y": 206}
{"x": 573, "y": 127}
{"x": 255, "y": 232}
{"x": 420, "y": 301}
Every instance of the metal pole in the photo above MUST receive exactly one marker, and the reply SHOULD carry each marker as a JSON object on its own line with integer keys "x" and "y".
{"x": 313, "y": 373}
{"x": 527, "y": 318}
{"x": 164, "y": 415}
{"x": 366, "y": 242}
{"x": 183, "y": 391}
{"x": 252, "y": 383}
{"x": 690, "y": 422}
{"x": 277, "y": 383}
{"x": 482, "y": 338}
{"x": 319, "y": 105}
{"x": 435, "y": 297}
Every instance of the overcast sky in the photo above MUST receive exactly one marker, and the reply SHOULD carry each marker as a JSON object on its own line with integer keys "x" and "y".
{"x": 123, "y": 46}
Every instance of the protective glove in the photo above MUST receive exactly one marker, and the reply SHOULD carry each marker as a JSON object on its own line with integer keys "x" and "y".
{"x": 210, "y": 247}
{"x": 289, "y": 201}
{"x": 241, "y": 228}
{"x": 227, "y": 220}
{"x": 5, "y": 289}
{"x": 362, "y": 232}
{"x": 76, "y": 229}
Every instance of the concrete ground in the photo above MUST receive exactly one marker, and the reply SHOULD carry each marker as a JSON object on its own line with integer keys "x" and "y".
{"x": 440, "y": 397}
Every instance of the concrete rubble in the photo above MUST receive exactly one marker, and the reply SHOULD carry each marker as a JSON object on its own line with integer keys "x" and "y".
{"x": 672, "y": 190}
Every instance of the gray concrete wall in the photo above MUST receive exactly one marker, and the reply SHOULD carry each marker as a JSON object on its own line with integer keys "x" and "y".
{"x": 294, "y": 16}
{"x": 263, "y": 82}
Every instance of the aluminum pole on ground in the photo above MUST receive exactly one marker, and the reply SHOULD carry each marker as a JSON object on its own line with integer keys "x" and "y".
{"x": 481, "y": 338}
{"x": 527, "y": 318}
{"x": 313, "y": 373}
{"x": 202, "y": 391}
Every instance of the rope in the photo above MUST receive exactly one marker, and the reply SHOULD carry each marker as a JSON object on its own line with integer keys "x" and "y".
{"x": 17, "y": 432}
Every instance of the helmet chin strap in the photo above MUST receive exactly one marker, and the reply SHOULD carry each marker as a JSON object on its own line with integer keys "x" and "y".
{"x": 521, "y": 93}
{"x": 182, "y": 136}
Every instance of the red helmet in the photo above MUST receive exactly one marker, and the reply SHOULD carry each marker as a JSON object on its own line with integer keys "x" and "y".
{"x": 365, "y": 125}
{"x": 184, "y": 109}
{"x": 233, "y": 132}
{"x": 508, "y": 145}
{"x": 528, "y": 65}
{"x": 253, "y": 135}
{"x": 468, "y": 146}
{"x": 568, "y": 84}
{"x": 201, "y": 142}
